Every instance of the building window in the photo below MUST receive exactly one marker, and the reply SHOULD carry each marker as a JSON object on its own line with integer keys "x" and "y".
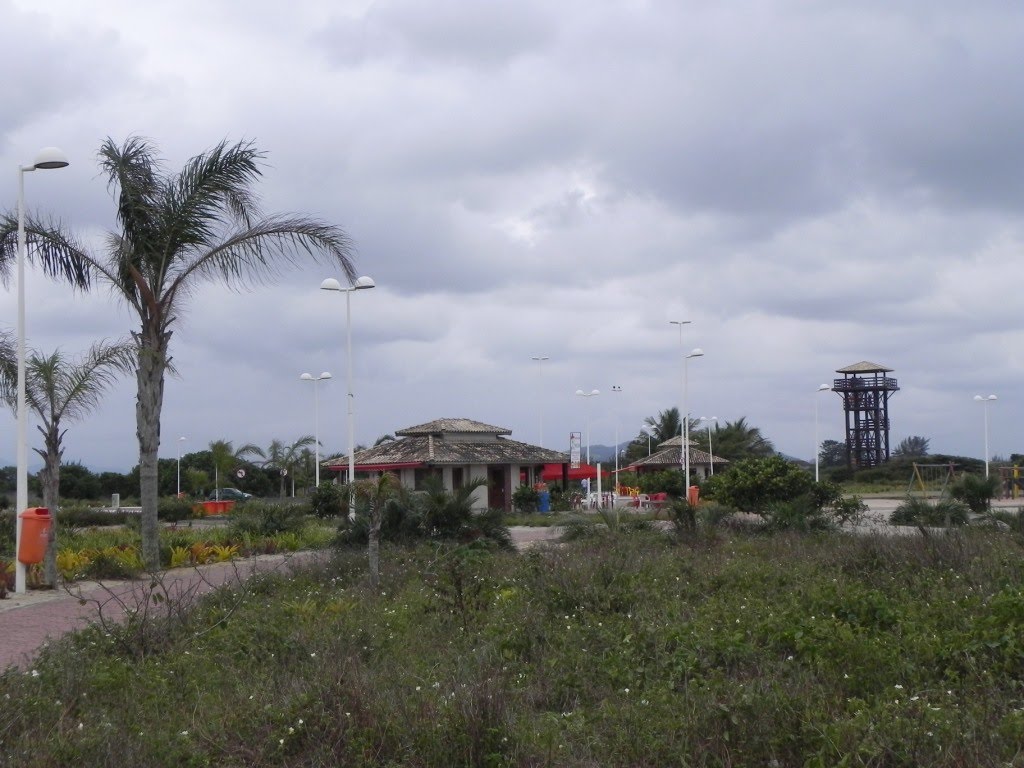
{"x": 458, "y": 478}
{"x": 421, "y": 476}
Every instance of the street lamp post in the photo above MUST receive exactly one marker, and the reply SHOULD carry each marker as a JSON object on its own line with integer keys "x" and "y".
{"x": 711, "y": 457}
{"x": 316, "y": 420}
{"x": 588, "y": 395}
{"x": 645, "y": 428}
{"x": 540, "y": 394}
{"x": 180, "y": 440}
{"x": 360, "y": 284}
{"x": 817, "y": 442}
{"x": 616, "y": 389}
{"x": 47, "y": 159}
{"x": 985, "y": 401}
{"x": 686, "y": 418}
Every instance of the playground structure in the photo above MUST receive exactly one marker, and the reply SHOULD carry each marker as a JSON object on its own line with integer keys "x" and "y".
{"x": 1012, "y": 482}
{"x": 865, "y": 390}
{"x": 931, "y": 481}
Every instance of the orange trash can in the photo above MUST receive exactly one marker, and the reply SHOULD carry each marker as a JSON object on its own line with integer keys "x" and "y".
{"x": 35, "y": 535}
{"x": 693, "y": 494}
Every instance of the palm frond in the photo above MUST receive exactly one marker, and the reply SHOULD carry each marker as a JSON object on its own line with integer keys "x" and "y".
{"x": 260, "y": 252}
{"x": 57, "y": 252}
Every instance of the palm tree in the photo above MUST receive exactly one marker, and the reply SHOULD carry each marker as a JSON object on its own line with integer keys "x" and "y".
{"x": 914, "y": 446}
{"x": 178, "y": 231}
{"x": 665, "y": 426}
{"x": 226, "y": 457}
{"x": 736, "y": 440}
{"x": 376, "y": 493}
{"x": 284, "y": 458}
{"x": 60, "y": 390}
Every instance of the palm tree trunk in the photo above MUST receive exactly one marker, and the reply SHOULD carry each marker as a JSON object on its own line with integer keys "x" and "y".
{"x": 150, "y": 375}
{"x": 373, "y": 545}
{"x": 50, "y": 477}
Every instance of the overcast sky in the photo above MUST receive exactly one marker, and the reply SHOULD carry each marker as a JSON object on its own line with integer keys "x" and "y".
{"x": 811, "y": 184}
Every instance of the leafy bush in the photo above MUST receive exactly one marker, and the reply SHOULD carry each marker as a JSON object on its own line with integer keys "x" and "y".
{"x": 921, "y": 512}
{"x": 433, "y": 513}
{"x": 84, "y": 516}
{"x": 976, "y": 491}
{"x": 171, "y": 509}
{"x": 668, "y": 481}
{"x": 525, "y": 499}
{"x": 329, "y": 500}
{"x": 263, "y": 518}
{"x": 7, "y": 532}
{"x": 755, "y": 485}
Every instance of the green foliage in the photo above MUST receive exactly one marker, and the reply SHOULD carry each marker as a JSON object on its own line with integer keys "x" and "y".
{"x": 915, "y": 510}
{"x": 832, "y": 454}
{"x": 737, "y": 440}
{"x": 612, "y": 651}
{"x": 525, "y": 499}
{"x": 171, "y": 509}
{"x": 432, "y": 513}
{"x": 914, "y": 447}
{"x": 976, "y": 491}
{"x": 261, "y": 518}
{"x": 755, "y": 485}
{"x": 329, "y": 500}
{"x": 666, "y": 481}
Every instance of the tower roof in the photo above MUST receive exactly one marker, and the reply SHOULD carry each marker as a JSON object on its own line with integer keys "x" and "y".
{"x": 864, "y": 367}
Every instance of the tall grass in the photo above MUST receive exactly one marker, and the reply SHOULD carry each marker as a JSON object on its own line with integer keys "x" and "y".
{"x": 616, "y": 650}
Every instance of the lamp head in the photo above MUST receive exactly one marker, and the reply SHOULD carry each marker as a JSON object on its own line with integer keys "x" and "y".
{"x": 363, "y": 283}
{"x": 306, "y": 377}
{"x": 824, "y": 388}
{"x": 325, "y": 375}
{"x": 50, "y": 157}
{"x": 698, "y": 352}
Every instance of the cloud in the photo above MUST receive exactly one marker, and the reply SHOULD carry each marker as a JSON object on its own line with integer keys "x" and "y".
{"x": 810, "y": 184}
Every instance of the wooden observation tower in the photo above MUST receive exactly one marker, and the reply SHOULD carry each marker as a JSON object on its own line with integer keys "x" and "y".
{"x": 865, "y": 390}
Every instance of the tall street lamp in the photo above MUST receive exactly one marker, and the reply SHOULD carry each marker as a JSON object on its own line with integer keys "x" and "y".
{"x": 588, "y": 395}
{"x": 711, "y": 457}
{"x": 361, "y": 284}
{"x": 540, "y": 393}
{"x": 316, "y": 419}
{"x": 616, "y": 389}
{"x": 686, "y": 418}
{"x": 180, "y": 441}
{"x": 817, "y": 442}
{"x": 985, "y": 401}
{"x": 646, "y": 428}
{"x": 47, "y": 159}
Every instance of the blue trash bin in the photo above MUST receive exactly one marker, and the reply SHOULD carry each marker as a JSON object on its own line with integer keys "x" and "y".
{"x": 544, "y": 501}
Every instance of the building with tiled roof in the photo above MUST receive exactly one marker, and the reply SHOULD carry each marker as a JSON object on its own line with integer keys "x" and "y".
{"x": 670, "y": 456}
{"x": 457, "y": 451}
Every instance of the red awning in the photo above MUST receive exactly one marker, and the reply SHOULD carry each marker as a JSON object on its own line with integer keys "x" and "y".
{"x": 554, "y": 472}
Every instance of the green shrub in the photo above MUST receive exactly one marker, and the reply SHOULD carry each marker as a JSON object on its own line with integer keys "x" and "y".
{"x": 7, "y": 532}
{"x": 171, "y": 509}
{"x": 329, "y": 500}
{"x": 976, "y": 491}
{"x": 263, "y": 518}
{"x": 525, "y": 499}
{"x": 915, "y": 510}
{"x": 85, "y": 516}
{"x": 755, "y": 485}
